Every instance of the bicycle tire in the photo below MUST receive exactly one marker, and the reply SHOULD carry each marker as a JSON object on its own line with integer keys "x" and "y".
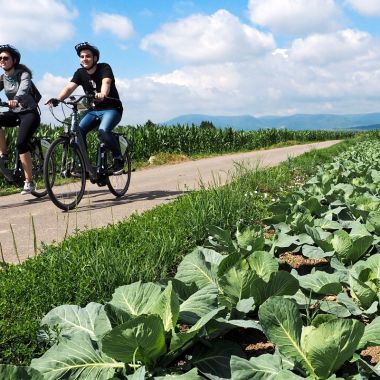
{"x": 9, "y": 174}
{"x": 118, "y": 184}
{"x": 66, "y": 184}
{"x": 37, "y": 154}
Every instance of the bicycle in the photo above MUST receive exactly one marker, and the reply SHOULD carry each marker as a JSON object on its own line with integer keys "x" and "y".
{"x": 67, "y": 165}
{"x": 15, "y": 175}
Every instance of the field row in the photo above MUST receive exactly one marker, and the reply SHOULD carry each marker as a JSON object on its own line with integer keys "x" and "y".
{"x": 305, "y": 285}
{"x": 90, "y": 267}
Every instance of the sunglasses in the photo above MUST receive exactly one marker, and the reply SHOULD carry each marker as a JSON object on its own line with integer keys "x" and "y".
{"x": 4, "y": 58}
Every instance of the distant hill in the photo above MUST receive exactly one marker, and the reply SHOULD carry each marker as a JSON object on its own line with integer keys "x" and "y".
{"x": 367, "y": 127}
{"x": 236, "y": 122}
{"x": 293, "y": 122}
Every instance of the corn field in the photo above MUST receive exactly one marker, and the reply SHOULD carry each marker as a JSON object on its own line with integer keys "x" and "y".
{"x": 150, "y": 139}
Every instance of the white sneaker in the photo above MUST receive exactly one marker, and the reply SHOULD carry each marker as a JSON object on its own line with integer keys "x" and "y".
{"x": 28, "y": 188}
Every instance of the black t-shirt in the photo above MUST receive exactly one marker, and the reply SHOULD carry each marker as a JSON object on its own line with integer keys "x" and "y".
{"x": 93, "y": 83}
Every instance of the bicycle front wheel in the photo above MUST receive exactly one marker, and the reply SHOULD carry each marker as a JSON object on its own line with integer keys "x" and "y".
{"x": 64, "y": 174}
{"x": 118, "y": 184}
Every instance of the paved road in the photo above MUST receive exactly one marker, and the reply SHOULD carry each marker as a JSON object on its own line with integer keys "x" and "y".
{"x": 26, "y": 222}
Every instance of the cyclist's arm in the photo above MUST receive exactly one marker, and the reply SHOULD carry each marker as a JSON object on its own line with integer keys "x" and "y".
{"x": 22, "y": 90}
{"x": 67, "y": 91}
{"x": 23, "y": 85}
{"x": 105, "y": 89}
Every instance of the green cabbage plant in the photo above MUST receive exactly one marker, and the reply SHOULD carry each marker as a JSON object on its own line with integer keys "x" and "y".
{"x": 318, "y": 350}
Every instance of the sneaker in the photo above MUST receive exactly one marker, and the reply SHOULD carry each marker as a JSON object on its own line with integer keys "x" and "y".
{"x": 118, "y": 166}
{"x": 28, "y": 188}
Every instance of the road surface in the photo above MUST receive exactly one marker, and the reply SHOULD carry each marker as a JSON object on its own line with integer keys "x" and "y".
{"x": 26, "y": 222}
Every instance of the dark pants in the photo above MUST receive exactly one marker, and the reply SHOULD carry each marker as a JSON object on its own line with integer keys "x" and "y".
{"x": 28, "y": 123}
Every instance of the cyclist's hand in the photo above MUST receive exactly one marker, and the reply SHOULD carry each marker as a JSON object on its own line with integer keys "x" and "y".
{"x": 13, "y": 103}
{"x": 100, "y": 96}
{"x": 53, "y": 102}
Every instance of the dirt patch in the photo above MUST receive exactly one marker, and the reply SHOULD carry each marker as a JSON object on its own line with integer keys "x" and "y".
{"x": 167, "y": 159}
{"x": 253, "y": 342}
{"x": 371, "y": 354}
{"x": 303, "y": 265}
{"x": 260, "y": 348}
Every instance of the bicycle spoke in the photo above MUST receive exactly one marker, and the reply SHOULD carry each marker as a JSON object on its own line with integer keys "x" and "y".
{"x": 66, "y": 180}
{"x": 119, "y": 184}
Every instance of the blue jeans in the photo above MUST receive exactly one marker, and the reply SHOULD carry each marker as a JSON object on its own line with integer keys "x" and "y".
{"x": 106, "y": 120}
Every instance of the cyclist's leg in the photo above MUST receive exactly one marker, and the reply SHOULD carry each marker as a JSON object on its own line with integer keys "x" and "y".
{"x": 29, "y": 123}
{"x": 88, "y": 122}
{"x": 109, "y": 120}
{"x": 7, "y": 119}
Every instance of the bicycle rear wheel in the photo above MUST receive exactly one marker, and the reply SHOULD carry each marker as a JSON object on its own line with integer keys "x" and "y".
{"x": 118, "y": 184}
{"x": 64, "y": 174}
{"x": 37, "y": 153}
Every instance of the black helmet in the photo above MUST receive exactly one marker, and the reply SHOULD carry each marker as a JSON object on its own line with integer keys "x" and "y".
{"x": 85, "y": 45}
{"x": 12, "y": 51}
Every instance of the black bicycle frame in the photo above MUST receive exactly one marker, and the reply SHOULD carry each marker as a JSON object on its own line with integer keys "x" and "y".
{"x": 81, "y": 144}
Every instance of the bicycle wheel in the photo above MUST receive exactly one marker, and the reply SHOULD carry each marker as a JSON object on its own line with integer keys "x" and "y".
{"x": 13, "y": 176}
{"x": 64, "y": 174}
{"x": 37, "y": 153}
{"x": 118, "y": 184}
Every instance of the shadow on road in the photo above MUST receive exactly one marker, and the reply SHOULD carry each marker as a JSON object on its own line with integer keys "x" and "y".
{"x": 95, "y": 204}
{"x": 24, "y": 202}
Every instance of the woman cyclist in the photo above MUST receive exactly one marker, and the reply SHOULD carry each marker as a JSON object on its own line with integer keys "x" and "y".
{"x": 23, "y": 110}
{"x": 97, "y": 79}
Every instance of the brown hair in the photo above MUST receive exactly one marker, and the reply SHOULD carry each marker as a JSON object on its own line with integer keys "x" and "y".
{"x": 22, "y": 67}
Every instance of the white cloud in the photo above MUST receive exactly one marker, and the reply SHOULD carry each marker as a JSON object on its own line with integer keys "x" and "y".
{"x": 229, "y": 68}
{"x": 36, "y": 24}
{"x": 346, "y": 79}
{"x": 366, "y": 7}
{"x": 294, "y": 17}
{"x": 116, "y": 24}
{"x": 321, "y": 49}
{"x": 205, "y": 39}
{"x": 280, "y": 83}
{"x": 334, "y": 73}
{"x": 49, "y": 86}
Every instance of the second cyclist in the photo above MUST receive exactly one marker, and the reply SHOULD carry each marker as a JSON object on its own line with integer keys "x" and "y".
{"x": 97, "y": 79}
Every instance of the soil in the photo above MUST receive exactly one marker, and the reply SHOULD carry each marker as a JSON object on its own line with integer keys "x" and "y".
{"x": 299, "y": 262}
{"x": 253, "y": 342}
{"x": 371, "y": 354}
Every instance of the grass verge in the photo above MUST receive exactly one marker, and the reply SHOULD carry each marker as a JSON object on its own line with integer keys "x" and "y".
{"x": 89, "y": 266}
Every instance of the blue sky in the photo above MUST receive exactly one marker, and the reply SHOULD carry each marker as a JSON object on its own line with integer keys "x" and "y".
{"x": 173, "y": 57}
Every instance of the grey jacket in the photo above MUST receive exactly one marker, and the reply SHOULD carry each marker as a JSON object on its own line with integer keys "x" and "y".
{"x": 18, "y": 87}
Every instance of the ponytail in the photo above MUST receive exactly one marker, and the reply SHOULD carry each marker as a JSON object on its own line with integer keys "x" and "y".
{"x": 20, "y": 66}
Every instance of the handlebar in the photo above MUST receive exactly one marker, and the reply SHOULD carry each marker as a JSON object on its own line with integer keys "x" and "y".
{"x": 73, "y": 100}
